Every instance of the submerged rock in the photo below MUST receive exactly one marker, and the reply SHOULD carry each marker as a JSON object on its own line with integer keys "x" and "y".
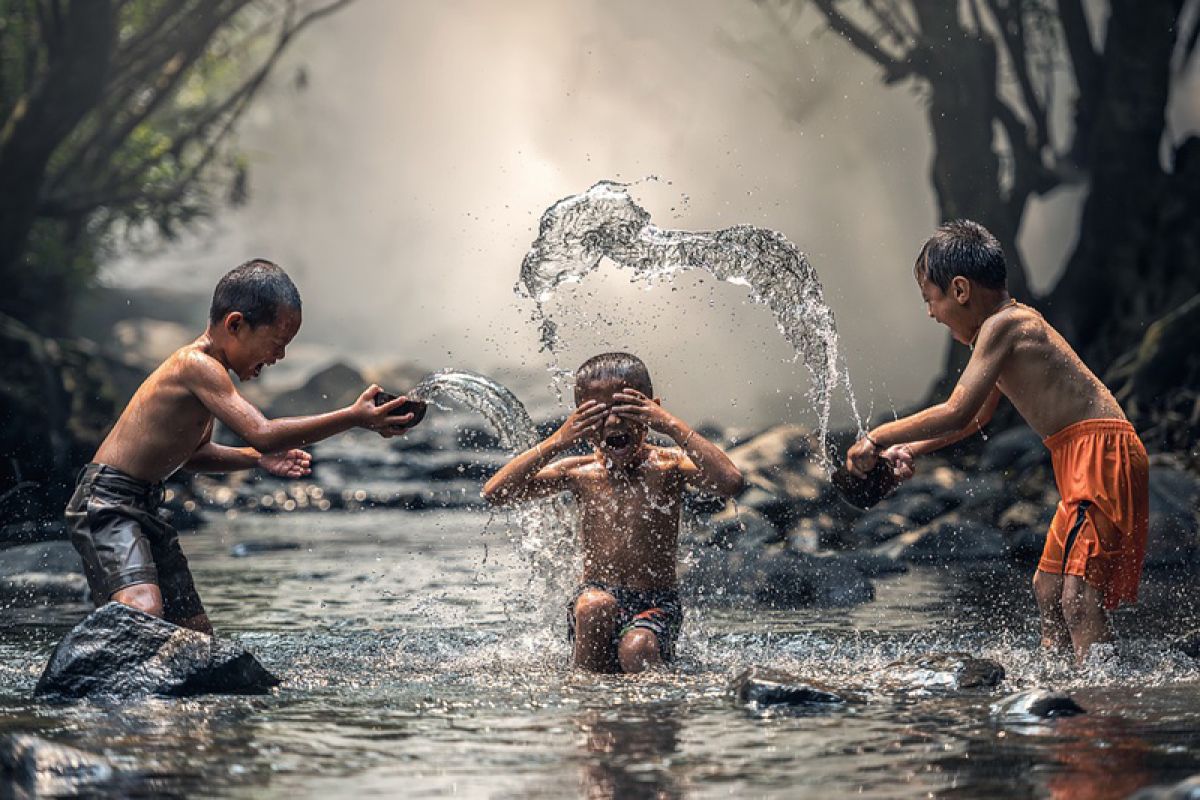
{"x": 120, "y": 651}
{"x": 39, "y": 768}
{"x": 1188, "y": 789}
{"x": 1187, "y": 643}
{"x": 255, "y": 547}
{"x": 1037, "y": 703}
{"x": 942, "y": 671}
{"x": 763, "y": 686}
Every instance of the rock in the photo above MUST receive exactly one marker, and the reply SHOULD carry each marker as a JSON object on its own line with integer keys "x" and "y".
{"x": 334, "y": 386}
{"x": 1015, "y": 449}
{"x": 772, "y": 449}
{"x": 57, "y": 558}
{"x": 32, "y": 531}
{"x": 120, "y": 651}
{"x": 1025, "y": 514}
{"x": 817, "y": 532}
{"x": 43, "y": 588}
{"x": 877, "y": 526}
{"x": 743, "y": 528}
{"x": 1188, "y": 789}
{"x": 787, "y": 579}
{"x": 44, "y": 769}
{"x": 941, "y": 483}
{"x": 942, "y": 671}
{"x": 947, "y": 540}
{"x": 1188, "y": 643}
{"x": 763, "y": 686}
{"x": 1036, "y": 704}
{"x": 258, "y": 547}
{"x": 1174, "y": 538}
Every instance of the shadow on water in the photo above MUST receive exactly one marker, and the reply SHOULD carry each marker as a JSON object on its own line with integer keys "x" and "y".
{"x": 414, "y": 665}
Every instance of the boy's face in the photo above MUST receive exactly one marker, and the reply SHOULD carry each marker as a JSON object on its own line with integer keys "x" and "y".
{"x": 949, "y": 307}
{"x": 252, "y": 349}
{"x": 620, "y": 440}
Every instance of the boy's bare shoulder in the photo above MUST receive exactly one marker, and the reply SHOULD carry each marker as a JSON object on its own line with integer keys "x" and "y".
{"x": 192, "y": 363}
{"x": 1011, "y": 324}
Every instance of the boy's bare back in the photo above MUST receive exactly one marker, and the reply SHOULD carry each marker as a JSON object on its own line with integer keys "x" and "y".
{"x": 1038, "y": 372}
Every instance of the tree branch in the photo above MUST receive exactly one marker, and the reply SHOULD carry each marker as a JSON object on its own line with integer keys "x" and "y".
{"x": 1012, "y": 29}
{"x": 894, "y": 69}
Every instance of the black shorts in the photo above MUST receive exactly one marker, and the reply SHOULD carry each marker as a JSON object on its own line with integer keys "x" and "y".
{"x": 114, "y": 523}
{"x": 656, "y": 610}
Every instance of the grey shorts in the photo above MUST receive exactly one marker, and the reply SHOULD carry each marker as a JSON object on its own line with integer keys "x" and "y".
{"x": 114, "y": 523}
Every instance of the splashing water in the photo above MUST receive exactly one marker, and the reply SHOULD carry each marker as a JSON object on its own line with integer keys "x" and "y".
{"x": 577, "y": 232}
{"x": 545, "y": 528}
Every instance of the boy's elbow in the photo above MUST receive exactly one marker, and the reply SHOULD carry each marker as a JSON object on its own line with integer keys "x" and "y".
{"x": 259, "y": 437}
{"x": 733, "y": 485}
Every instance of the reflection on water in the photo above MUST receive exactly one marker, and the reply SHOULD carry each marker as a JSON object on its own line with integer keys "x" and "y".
{"x": 414, "y": 667}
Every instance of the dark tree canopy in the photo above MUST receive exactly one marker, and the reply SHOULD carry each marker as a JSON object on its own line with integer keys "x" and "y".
{"x": 992, "y": 74}
{"x": 115, "y": 116}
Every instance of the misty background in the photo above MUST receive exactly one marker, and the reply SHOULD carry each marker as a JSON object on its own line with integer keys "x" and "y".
{"x": 402, "y": 154}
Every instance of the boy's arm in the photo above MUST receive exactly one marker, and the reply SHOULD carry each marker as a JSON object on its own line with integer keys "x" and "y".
{"x": 527, "y": 476}
{"x": 212, "y": 457}
{"x": 951, "y": 417}
{"x": 704, "y": 464}
{"x": 210, "y": 382}
{"x": 974, "y": 426}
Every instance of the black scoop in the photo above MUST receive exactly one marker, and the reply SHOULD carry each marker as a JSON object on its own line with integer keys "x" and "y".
{"x": 414, "y": 407}
{"x": 865, "y": 492}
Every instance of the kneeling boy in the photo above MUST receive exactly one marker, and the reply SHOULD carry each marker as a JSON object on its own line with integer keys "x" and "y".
{"x": 1092, "y": 559}
{"x": 626, "y": 613}
{"x": 130, "y": 554}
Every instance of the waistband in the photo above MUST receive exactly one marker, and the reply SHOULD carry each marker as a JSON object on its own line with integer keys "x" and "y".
{"x": 1087, "y": 427}
{"x": 120, "y": 482}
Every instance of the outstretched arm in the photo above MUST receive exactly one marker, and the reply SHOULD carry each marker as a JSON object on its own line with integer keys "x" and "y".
{"x": 940, "y": 424}
{"x": 210, "y": 382}
{"x": 704, "y": 464}
{"x": 530, "y": 474}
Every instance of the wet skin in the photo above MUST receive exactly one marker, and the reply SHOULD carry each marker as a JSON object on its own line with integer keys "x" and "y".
{"x": 1018, "y": 354}
{"x": 629, "y": 496}
{"x": 168, "y": 423}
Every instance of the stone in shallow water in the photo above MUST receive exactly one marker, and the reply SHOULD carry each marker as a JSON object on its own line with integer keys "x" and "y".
{"x": 34, "y": 767}
{"x": 1188, "y": 643}
{"x": 1188, "y": 789}
{"x": 1039, "y": 703}
{"x": 121, "y": 652}
{"x": 769, "y": 687}
{"x": 944, "y": 671}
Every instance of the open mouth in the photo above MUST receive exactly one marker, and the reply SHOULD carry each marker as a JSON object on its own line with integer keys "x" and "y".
{"x": 258, "y": 368}
{"x": 617, "y": 441}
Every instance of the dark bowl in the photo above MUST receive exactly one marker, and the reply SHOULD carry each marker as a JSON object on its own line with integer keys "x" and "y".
{"x": 865, "y": 492}
{"x": 415, "y": 407}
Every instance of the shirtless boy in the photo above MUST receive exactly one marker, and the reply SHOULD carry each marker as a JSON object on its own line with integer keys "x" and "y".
{"x": 129, "y": 553}
{"x": 1092, "y": 559}
{"x": 625, "y": 614}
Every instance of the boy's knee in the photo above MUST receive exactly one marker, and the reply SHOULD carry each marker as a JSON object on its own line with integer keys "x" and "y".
{"x": 638, "y": 649}
{"x": 595, "y": 606}
{"x": 142, "y": 596}
{"x": 1075, "y": 601}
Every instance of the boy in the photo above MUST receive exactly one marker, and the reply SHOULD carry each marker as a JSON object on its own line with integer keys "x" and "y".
{"x": 625, "y": 614}
{"x": 1092, "y": 559}
{"x": 129, "y": 553}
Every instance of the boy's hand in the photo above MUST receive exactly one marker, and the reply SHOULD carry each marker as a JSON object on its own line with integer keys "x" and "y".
{"x": 633, "y": 405}
{"x": 287, "y": 464}
{"x": 588, "y": 416}
{"x": 902, "y": 461}
{"x": 861, "y": 457}
{"x": 378, "y": 418}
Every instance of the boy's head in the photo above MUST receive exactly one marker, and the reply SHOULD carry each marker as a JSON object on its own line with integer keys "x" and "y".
{"x": 961, "y": 271}
{"x": 256, "y": 312}
{"x": 601, "y": 377}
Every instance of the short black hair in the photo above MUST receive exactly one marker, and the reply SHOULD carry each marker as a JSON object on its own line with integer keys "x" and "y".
{"x": 966, "y": 248}
{"x": 629, "y": 369}
{"x": 257, "y": 289}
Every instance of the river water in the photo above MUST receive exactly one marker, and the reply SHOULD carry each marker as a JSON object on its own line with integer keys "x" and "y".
{"x": 420, "y": 658}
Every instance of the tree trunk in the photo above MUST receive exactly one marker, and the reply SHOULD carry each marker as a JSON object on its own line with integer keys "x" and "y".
{"x": 80, "y": 46}
{"x": 1137, "y": 255}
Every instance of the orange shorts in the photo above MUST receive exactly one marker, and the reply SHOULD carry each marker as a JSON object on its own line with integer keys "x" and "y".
{"x": 1099, "y": 530}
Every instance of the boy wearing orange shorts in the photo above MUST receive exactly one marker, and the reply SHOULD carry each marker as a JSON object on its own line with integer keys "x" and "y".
{"x": 1092, "y": 560}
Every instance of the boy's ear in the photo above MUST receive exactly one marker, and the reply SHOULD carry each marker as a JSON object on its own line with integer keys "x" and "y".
{"x": 960, "y": 289}
{"x": 234, "y": 321}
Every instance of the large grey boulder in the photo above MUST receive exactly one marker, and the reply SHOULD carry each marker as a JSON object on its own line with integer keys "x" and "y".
{"x": 119, "y": 651}
{"x": 948, "y": 539}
